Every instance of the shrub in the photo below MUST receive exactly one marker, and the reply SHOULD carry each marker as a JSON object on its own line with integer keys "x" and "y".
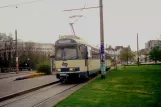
{"x": 44, "y": 67}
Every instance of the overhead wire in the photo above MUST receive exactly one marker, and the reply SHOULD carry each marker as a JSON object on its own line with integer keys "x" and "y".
{"x": 18, "y": 4}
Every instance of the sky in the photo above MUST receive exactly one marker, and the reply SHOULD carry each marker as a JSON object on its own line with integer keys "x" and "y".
{"x": 45, "y": 20}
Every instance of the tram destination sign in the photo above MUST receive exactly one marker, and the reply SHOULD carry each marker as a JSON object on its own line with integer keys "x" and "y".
{"x": 64, "y": 41}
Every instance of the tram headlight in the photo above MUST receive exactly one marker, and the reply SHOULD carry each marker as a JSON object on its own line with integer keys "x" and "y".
{"x": 58, "y": 70}
{"x": 71, "y": 69}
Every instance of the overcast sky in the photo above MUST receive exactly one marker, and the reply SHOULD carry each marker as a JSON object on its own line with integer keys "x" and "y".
{"x": 44, "y": 21}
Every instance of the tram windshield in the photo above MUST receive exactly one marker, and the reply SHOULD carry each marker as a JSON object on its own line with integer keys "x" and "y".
{"x": 66, "y": 53}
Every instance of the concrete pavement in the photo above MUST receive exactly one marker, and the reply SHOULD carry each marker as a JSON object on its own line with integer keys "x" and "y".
{"x": 8, "y": 86}
{"x": 12, "y": 74}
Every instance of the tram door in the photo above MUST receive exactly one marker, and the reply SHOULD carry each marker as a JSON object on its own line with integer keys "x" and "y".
{"x": 89, "y": 55}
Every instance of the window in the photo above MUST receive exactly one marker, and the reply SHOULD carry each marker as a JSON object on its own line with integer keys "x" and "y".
{"x": 82, "y": 51}
{"x": 70, "y": 53}
{"x": 66, "y": 53}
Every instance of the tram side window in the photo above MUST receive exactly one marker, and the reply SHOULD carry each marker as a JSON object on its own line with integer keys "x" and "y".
{"x": 95, "y": 55}
{"x": 82, "y": 51}
{"x": 106, "y": 56}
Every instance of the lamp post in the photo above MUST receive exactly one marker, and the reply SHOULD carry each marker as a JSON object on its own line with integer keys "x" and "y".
{"x": 28, "y": 62}
{"x": 138, "y": 51}
{"x": 17, "y": 64}
{"x": 115, "y": 59}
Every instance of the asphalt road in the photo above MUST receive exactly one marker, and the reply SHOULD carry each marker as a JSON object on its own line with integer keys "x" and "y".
{"x": 13, "y": 74}
{"x": 37, "y": 98}
{"x": 9, "y": 86}
{"x": 45, "y": 97}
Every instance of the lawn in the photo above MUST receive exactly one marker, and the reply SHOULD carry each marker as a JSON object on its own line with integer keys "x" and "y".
{"x": 132, "y": 86}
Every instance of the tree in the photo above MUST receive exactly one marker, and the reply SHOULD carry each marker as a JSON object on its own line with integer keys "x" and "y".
{"x": 126, "y": 55}
{"x": 155, "y": 54}
{"x": 29, "y": 55}
{"x": 5, "y": 49}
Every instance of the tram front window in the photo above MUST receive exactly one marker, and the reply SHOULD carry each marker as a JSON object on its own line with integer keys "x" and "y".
{"x": 66, "y": 53}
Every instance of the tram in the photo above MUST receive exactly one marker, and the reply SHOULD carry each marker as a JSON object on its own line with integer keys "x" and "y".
{"x": 74, "y": 58}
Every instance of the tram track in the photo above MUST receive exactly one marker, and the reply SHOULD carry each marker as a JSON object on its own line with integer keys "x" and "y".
{"x": 13, "y": 100}
{"x": 60, "y": 88}
{"x": 44, "y": 97}
{"x": 40, "y": 103}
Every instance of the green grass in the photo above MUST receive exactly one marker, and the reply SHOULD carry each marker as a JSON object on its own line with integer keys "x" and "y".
{"x": 130, "y": 87}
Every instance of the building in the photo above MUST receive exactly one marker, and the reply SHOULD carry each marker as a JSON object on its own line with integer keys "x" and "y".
{"x": 110, "y": 50}
{"x": 152, "y": 43}
{"x": 8, "y": 48}
{"x": 118, "y": 50}
{"x": 114, "y": 52}
{"x": 45, "y": 48}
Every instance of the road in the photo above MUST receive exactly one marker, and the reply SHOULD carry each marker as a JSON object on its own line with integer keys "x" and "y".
{"x": 45, "y": 97}
{"x": 13, "y": 74}
{"x": 38, "y": 98}
{"x": 8, "y": 86}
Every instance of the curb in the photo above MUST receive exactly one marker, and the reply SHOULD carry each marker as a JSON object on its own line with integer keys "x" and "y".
{"x": 13, "y": 75}
{"x": 26, "y": 91}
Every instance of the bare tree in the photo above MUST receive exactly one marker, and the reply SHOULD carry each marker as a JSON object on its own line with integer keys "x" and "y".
{"x": 126, "y": 55}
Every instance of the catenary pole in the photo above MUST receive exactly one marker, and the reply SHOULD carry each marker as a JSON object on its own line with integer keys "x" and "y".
{"x": 103, "y": 70}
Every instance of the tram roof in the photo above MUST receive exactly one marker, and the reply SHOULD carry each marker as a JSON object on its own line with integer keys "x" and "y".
{"x": 70, "y": 39}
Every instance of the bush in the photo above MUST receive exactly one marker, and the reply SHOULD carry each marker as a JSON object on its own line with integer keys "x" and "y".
{"x": 44, "y": 67}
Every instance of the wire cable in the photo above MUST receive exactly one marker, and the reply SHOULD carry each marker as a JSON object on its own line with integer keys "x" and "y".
{"x": 18, "y": 4}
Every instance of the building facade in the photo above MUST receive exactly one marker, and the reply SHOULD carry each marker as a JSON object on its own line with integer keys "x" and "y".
{"x": 8, "y": 48}
{"x": 152, "y": 43}
{"x": 114, "y": 52}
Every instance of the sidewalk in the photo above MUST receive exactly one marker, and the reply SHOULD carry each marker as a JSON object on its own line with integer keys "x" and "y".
{"x": 12, "y": 74}
{"x": 8, "y": 86}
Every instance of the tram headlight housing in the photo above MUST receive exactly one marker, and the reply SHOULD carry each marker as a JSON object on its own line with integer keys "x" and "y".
{"x": 58, "y": 70}
{"x": 72, "y": 69}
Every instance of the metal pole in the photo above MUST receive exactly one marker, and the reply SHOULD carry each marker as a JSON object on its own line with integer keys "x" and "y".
{"x": 115, "y": 60}
{"x": 127, "y": 55}
{"x": 137, "y": 50}
{"x": 71, "y": 24}
{"x": 51, "y": 65}
{"x": 17, "y": 68}
{"x": 103, "y": 71}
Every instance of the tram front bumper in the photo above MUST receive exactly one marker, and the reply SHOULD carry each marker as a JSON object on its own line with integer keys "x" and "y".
{"x": 76, "y": 74}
